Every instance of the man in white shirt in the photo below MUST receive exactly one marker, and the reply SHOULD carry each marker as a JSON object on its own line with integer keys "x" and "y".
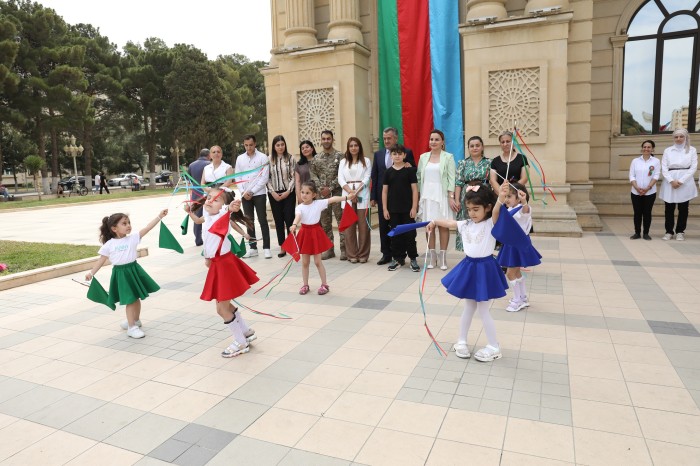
{"x": 97, "y": 182}
{"x": 254, "y": 193}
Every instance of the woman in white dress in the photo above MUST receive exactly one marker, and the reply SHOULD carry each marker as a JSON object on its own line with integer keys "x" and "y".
{"x": 436, "y": 183}
{"x": 353, "y": 176}
{"x": 217, "y": 168}
{"x": 678, "y": 166}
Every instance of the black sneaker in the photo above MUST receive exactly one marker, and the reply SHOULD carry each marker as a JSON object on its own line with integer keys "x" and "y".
{"x": 394, "y": 265}
{"x": 635, "y": 236}
{"x": 414, "y": 265}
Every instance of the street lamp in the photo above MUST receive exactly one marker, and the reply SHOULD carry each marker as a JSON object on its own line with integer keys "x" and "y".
{"x": 73, "y": 151}
{"x": 176, "y": 151}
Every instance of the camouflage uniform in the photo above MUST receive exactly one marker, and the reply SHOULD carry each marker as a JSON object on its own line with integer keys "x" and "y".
{"x": 324, "y": 172}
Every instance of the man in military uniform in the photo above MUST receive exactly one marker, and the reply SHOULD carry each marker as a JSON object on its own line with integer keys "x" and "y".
{"x": 324, "y": 172}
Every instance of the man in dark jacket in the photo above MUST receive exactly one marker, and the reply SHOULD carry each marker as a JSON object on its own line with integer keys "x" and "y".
{"x": 195, "y": 170}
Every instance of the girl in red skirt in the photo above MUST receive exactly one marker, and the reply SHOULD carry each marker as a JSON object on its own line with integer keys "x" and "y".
{"x": 228, "y": 276}
{"x": 312, "y": 240}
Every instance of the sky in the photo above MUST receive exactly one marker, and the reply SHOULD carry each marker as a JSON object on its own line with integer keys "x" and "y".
{"x": 216, "y": 27}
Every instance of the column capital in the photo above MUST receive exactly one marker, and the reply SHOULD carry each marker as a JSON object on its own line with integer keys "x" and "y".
{"x": 345, "y": 21}
{"x": 485, "y": 8}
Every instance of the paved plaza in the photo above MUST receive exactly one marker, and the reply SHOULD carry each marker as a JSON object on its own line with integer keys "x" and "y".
{"x": 602, "y": 369}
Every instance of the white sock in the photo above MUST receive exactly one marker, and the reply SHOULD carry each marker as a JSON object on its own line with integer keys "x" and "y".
{"x": 466, "y": 320}
{"x": 237, "y": 332}
{"x": 244, "y": 325}
{"x": 522, "y": 291}
{"x": 514, "y": 285}
{"x": 487, "y": 320}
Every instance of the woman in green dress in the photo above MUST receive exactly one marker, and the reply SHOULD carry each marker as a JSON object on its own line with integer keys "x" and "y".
{"x": 474, "y": 167}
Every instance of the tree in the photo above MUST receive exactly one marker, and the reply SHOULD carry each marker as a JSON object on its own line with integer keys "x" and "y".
{"x": 17, "y": 146}
{"x": 196, "y": 114}
{"x": 35, "y": 164}
{"x": 143, "y": 74}
{"x": 8, "y": 78}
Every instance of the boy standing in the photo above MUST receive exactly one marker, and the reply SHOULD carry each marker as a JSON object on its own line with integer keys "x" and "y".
{"x": 400, "y": 203}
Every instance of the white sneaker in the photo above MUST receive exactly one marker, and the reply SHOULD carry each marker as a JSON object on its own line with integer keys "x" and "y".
{"x": 680, "y": 236}
{"x": 461, "y": 350}
{"x": 488, "y": 353}
{"x": 515, "y": 305}
{"x": 251, "y": 253}
{"x": 234, "y": 349}
{"x": 135, "y": 332}
{"x": 125, "y": 324}
{"x": 667, "y": 237}
{"x": 268, "y": 253}
{"x": 250, "y": 335}
{"x": 525, "y": 302}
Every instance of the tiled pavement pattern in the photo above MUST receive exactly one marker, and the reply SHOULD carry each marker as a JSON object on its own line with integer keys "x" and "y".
{"x": 601, "y": 369}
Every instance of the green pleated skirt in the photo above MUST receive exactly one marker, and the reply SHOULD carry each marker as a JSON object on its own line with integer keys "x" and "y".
{"x": 130, "y": 282}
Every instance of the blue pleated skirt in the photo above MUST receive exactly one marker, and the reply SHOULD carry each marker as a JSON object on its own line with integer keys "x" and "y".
{"x": 480, "y": 279}
{"x": 510, "y": 256}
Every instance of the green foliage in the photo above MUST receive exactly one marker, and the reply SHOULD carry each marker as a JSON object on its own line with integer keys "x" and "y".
{"x": 630, "y": 126}
{"x": 34, "y": 164}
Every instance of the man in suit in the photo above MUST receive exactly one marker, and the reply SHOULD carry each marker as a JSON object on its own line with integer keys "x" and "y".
{"x": 382, "y": 160}
{"x": 195, "y": 170}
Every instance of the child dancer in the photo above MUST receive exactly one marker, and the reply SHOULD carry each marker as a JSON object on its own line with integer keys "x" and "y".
{"x": 129, "y": 283}
{"x": 228, "y": 276}
{"x": 513, "y": 258}
{"x": 477, "y": 278}
{"x": 312, "y": 240}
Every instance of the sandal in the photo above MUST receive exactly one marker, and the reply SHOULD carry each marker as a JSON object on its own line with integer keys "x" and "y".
{"x": 235, "y": 349}
{"x": 304, "y": 289}
{"x": 323, "y": 289}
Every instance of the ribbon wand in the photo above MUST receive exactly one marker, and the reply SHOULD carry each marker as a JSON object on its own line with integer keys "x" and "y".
{"x": 510, "y": 151}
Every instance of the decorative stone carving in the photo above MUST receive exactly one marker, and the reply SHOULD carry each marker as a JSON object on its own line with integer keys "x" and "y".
{"x": 315, "y": 112}
{"x": 514, "y": 95}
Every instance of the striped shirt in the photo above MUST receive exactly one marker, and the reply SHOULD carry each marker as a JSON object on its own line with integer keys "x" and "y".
{"x": 282, "y": 174}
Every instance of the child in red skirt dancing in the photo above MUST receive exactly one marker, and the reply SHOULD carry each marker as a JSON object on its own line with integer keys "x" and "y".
{"x": 228, "y": 276}
{"x": 312, "y": 240}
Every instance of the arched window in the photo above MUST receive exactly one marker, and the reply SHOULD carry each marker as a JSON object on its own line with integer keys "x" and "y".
{"x": 662, "y": 68}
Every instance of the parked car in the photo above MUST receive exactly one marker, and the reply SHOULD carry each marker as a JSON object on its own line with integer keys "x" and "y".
{"x": 163, "y": 176}
{"x": 124, "y": 179}
{"x": 67, "y": 183}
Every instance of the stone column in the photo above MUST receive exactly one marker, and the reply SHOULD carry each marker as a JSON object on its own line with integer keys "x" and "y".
{"x": 300, "y": 31}
{"x": 483, "y": 8}
{"x": 533, "y": 5}
{"x": 345, "y": 21}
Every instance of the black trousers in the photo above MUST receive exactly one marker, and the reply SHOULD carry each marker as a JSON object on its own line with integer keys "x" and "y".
{"x": 405, "y": 244}
{"x": 384, "y": 228}
{"x": 259, "y": 203}
{"x": 642, "y": 206}
{"x": 283, "y": 214}
{"x": 682, "y": 216}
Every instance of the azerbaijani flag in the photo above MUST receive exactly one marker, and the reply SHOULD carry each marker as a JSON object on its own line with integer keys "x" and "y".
{"x": 420, "y": 72}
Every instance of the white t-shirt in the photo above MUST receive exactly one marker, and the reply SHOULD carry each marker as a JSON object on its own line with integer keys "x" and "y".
{"x": 311, "y": 213}
{"x": 210, "y": 240}
{"x": 211, "y": 175}
{"x": 523, "y": 219}
{"x": 121, "y": 250}
{"x": 476, "y": 237}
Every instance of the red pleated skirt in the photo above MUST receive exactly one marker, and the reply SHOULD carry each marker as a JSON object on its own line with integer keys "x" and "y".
{"x": 228, "y": 278}
{"x": 312, "y": 240}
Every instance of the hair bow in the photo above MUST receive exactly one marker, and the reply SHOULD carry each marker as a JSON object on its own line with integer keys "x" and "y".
{"x": 472, "y": 188}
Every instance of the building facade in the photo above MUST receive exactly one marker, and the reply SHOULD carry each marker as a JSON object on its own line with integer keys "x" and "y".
{"x": 586, "y": 81}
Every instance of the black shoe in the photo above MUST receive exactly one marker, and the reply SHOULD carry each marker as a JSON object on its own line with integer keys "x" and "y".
{"x": 647, "y": 237}
{"x": 414, "y": 265}
{"x": 635, "y": 236}
{"x": 394, "y": 265}
{"x": 282, "y": 254}
{"x": 384, "y": 260}
{"x": 402, "y": 262}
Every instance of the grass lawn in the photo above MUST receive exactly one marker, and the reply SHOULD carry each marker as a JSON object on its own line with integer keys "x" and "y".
{"x": 20, "y": 256}
{"x": 115, "y": 194}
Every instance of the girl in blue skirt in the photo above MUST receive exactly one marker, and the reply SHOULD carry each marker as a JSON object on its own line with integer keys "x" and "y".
{"x": 478, "y": 278}
{"x": 129, "y": 283}
{"x": 513, "y": 258}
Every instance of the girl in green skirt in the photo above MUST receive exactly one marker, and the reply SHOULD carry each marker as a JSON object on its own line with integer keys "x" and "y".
{"x": 129, "y": 283}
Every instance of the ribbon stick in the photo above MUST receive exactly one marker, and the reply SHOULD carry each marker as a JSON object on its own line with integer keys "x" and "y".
{"x": 545, "y": 187}
{"x": 284, "y": 316}
{"x": 510, "y": 152}
{"x": 421, "y": 286}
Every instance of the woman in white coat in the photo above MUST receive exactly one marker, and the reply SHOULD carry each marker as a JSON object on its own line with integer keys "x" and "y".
{"x": 353, "y": 176}
{"x": 678, "y": 166}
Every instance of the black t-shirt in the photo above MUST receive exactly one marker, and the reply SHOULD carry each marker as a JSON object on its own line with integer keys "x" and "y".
{"x": 400, "y": 194}
{"x": 516, "y": 166}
